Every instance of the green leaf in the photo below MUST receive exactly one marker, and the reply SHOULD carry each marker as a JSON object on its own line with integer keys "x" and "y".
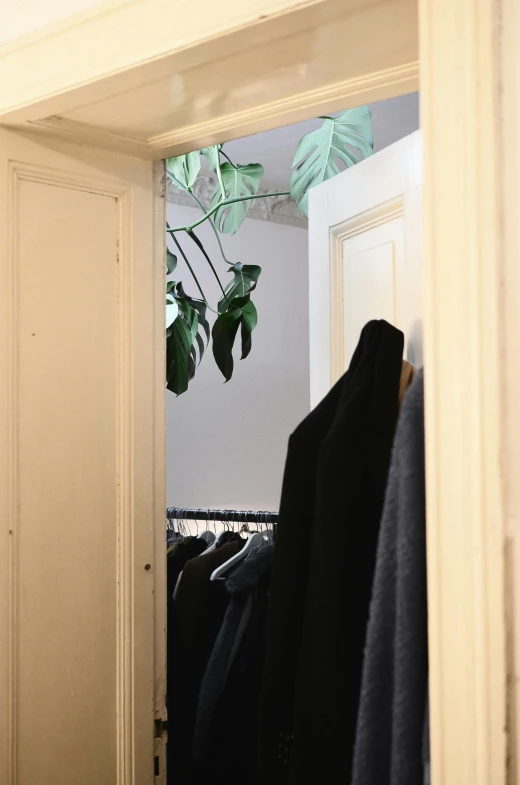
{"x": 171, "y": 262}
{"x": 183, "y": 338}
{"x": 172, "y": 311}
{"x": 248, "y": 323}
{"x": 178, "y": 345}
{"x": 184, "y": 169}
{"x": 211, "y": 154}
{"x": 317, "y": 153}
{"x": 192, "y": 363}
{"x": 238, "y": 181}
{"x": 244, "y": 281}
{"x": 250, "y": 316}
{"x": 224, "y": 334}
{"x": 247, "y": 340}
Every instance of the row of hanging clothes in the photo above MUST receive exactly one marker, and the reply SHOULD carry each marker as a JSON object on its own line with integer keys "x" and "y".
{"x": 326, "y": 679}
{"x": 218, "y": 567}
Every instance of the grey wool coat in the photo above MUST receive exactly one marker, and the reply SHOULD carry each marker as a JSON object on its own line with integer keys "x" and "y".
{"x": 389, "y": 745}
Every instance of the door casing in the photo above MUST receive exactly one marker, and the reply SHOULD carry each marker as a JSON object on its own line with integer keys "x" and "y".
{"x": 469, "y": 70}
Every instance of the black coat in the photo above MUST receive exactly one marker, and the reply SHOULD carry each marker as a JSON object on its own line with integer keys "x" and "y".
{"x": 330, "y": 511}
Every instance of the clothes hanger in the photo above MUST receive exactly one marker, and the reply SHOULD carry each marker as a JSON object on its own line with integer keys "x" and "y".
{"x": 208, "y": 535}
{"x": 266, "y": 532}
{"x": 252, "y": 541}
{"x": 408, "y": 372}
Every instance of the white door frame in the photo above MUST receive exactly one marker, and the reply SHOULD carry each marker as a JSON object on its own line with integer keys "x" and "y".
{"x": 469, "y": 81}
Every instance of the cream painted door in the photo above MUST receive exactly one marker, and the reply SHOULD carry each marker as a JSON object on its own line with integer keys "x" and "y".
{"x": 365, "y": 258}
{"x": 80, "y": 424}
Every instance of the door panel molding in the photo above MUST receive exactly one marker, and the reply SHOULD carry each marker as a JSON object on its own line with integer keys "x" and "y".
{"x": 118, "y": 554}
{"x": 18, "y": 173}
{"x": 364, "y": 222}
{"x": 354, "y": 193}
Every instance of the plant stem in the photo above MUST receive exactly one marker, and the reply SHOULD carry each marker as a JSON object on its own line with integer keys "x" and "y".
{"x": 188, "y": 265}
{"x": 219, "y": 174}
{"x": 197, "y": 242}
{"x": 224, "y": 203}
{"x": 228, "y": 158}
{"x": 212, "y": 226}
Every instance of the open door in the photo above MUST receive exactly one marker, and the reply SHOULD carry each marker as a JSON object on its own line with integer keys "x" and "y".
{"x": 81, "y": 306}
{"x": 365, "y": 258}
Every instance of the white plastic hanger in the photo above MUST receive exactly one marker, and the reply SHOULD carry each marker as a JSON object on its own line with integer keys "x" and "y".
{"x": 252, "y": 542}
{"x": 208, "y": 536}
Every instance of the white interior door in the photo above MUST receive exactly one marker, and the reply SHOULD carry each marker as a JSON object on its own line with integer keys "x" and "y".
{"x": 80, "y": 423}
{"x": 365, "y": 258}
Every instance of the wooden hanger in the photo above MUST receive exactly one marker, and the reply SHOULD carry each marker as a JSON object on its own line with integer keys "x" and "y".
{"x": 408, "y": 372}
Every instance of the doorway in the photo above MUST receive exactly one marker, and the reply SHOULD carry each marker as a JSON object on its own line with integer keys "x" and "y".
{"x": 227, "y": 442}
{"x": 275, "y": 66}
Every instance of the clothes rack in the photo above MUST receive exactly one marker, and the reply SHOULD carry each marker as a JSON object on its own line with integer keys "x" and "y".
{"x": 221, "y": 516}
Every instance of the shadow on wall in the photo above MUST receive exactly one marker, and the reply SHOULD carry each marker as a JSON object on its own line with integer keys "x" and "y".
{"x": 414, "y": 346}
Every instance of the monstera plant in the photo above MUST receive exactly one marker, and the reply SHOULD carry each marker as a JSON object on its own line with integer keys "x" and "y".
{"x": 345, "y": 139}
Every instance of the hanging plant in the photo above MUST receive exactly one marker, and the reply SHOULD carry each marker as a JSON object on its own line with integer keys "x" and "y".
{"x": 346, "y": 138}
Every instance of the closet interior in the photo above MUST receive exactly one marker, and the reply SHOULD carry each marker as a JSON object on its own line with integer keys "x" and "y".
{"x": 295, "y": 535}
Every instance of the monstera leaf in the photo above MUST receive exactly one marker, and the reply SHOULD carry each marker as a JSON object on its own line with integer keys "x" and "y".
{"x": 185, "y": 345}
{"x": 248, "y": 324}
{"x": 235, "y": 311}
{"x": 224, "y": 334}
{"x": 211, "y": 154}
{"x": 317, "y": 153}
{"x": 172, "y": 310}
{"x": 238, "y": 181}
{"x": 171, "y": 262}
{"x": 184, "y": 169}
{"x": 225, "y": 331}
{"x": 245, "y": 278}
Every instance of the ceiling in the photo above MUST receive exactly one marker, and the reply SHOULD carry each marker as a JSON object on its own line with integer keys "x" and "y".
{"x": 391, "y": 120}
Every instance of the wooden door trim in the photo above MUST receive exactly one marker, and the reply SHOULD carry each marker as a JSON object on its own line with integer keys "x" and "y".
{"x": 139, "y": 52}
{"x": 300, "y": 106}
{"x": 292, "y": 109}
{"x": 137, "y": 35}
{"x": 463, "y": 332}
{"x": 159, "y": 469}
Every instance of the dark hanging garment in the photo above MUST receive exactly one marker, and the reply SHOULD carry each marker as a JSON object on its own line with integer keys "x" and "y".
{"x": 332, "y": 499}
{"x": 288, "y": 588}
{"x": 194, "y": 619}
{"x": 227, "y": 716}
{"x": 178, "y": 555}
{"x": 392, "y": 734}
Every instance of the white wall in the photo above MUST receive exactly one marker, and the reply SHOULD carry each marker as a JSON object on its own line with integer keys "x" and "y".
{"x": 227, "y": 442}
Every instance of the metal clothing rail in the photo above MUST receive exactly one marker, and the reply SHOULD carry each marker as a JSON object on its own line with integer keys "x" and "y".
{"x": 221, "y": 516}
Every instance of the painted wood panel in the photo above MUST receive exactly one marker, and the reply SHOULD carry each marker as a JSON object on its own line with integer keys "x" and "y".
{"x": 173, "y": 81}
{"x": 365, "y": 258}
{"x": 371, "y": 263}
{"x": 77, "y": 501}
